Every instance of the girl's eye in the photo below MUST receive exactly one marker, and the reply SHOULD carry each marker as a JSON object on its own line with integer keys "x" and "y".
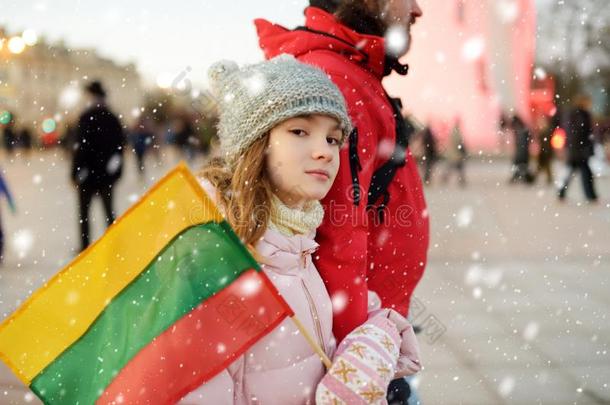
{"x": 298, "y": 132}
{"x": 333, "y": 141}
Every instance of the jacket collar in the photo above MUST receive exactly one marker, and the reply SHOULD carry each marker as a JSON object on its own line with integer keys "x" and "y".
{"x": 322, "y": 31}
{"x": 297, "y": 244}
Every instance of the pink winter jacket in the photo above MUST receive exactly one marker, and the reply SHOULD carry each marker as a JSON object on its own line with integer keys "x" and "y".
{"x": 281, "y": 368}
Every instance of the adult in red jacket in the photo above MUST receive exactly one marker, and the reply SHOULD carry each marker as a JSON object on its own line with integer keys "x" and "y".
{"x": 376, "y": 230}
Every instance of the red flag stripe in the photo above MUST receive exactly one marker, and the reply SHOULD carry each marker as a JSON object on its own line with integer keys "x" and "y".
{"x": 201, "y": 344}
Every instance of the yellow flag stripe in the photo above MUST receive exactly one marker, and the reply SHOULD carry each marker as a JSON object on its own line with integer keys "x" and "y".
{"x": 60, "y": 312}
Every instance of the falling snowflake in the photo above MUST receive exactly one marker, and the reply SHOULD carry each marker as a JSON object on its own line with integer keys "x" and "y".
{"x": 396, "y": 40}
{"x": 473, "y": 48}
{"x": 114, "y": 163}
{"x": 339, "y": 301}
{"x": 22, "y": 242}
{"x": 250, "y": 287}
{"x": 531, "y": 331}
{"x": 70, "y": 96}
{"x": 464, "y": 217}
{"x": 540, "y": 73}
{"x": 474, "y": 275}
{"x": 82, "y": 175}
{"x": 132, "y": 198}
{"x": 506, "y": 386}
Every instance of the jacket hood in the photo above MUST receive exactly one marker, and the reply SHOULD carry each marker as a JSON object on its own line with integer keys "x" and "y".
{"x": 322, "y": 31}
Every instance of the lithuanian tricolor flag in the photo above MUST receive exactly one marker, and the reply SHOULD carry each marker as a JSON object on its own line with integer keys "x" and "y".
{"x": 165, "y": 300}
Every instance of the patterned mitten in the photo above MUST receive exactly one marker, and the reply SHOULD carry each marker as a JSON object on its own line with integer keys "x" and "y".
{"x": 363, "y": 366}
{"x": 409, "y": 359}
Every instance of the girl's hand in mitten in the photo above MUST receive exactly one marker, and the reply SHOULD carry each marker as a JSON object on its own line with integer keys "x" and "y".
{"x": 364, "y": 365}
{"x": 409, "y": 359}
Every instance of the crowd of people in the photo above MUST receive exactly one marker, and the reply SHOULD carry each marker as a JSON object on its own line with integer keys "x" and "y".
{"x": 569, "y": 135}
{"x": 97, "y": 143}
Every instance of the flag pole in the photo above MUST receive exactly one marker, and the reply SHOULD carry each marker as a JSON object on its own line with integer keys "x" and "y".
{"x": 314, "y": 345}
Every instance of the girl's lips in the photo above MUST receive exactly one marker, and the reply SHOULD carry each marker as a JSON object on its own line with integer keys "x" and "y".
{"x": 321, "y": 174}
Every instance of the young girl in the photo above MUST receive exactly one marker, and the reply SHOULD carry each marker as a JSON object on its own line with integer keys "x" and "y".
{"x": 281, "y": 126}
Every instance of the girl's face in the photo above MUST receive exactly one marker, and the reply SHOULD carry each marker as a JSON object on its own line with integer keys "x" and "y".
{"x": 303, "y": 158}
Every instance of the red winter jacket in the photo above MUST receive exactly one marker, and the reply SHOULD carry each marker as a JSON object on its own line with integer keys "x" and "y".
{"x": 358, "y": 252}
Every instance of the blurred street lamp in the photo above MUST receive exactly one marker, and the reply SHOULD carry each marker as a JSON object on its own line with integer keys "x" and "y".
{"x": 558, "y": 138}
{"x": 5, "y": 117}
{"x": 49, "y": 125}
{"x": 16, "y": 45}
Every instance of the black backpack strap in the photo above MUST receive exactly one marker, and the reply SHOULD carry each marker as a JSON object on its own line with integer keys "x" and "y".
{"x": 354, "y": 165}
{"x": 383, "y": 176}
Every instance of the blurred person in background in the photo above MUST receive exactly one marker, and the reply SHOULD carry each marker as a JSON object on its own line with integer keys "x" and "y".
{"x": 98, "y": 157}
{"x": 6, "y": 193}
{"x": 184, "y": 136}
{"x": 140, "y": 138}
{"x": 521, "y": 157}
{"x": 456, "y": 155}
{"x": 546, "y": 127}
{"x": 579, "y": 147}
{"x": 504, "y": 132}
{"x": 25, "y": 140}
{"x": 9, "y": 136}
{"x": 430, "y": 156}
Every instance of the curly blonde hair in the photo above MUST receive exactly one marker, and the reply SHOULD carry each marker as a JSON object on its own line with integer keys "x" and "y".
{"x": 243, "y": 191}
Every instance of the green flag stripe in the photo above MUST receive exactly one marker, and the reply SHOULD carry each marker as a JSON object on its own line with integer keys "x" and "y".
{"x": 192, "y": 267}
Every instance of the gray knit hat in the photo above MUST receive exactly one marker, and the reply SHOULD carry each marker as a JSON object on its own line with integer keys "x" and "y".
{"x": 256, "y": 98}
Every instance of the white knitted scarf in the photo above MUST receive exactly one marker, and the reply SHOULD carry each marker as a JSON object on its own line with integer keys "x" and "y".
{"x": 294, "y": 221}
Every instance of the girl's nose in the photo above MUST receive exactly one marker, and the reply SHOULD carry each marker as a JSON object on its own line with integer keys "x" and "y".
{"x": 323, "y": 151}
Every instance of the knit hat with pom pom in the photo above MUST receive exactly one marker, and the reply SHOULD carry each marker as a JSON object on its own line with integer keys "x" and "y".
{"x": 255, "y": 98}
